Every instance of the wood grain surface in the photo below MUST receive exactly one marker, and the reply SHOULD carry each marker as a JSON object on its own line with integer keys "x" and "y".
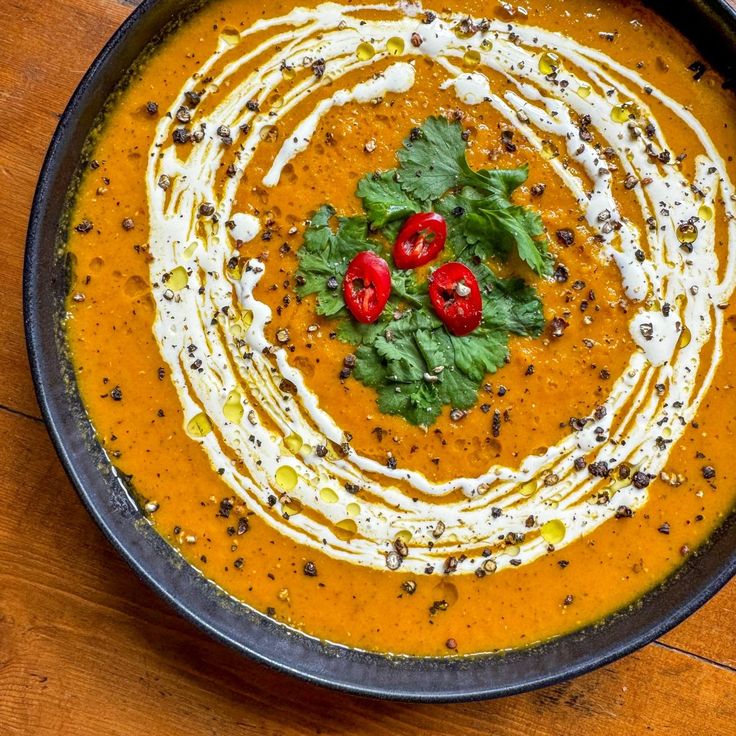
{"x": 86, "y": 648}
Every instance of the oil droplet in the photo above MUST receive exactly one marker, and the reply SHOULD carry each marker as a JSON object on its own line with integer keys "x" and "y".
{"x": 471, "y": 59}
{"x": 549, "y": 63}
{"x": 584, "y": 91}
{"x": 395, "y": 46}
{"x": 275, "y": 101}
{"x": 327, "y": 495}
{"x": 685, "y": 338}
{"x": 705, "y": 213}
{"x": 365, "y": 51}
{"x": 199, "y": 426}
{"x": 512, "y": 550}
{"x": 486, "y": 44}
{"x": 346, "y": 529}
{"x": 292, "y": 506}
{"x": 288, "y": 72}
{"x": 553, "y": 531}
{"x": 147, "y": 302}
{"x": 178, "y": 279}
{"x": 233, "y": 409}
{"x": 189, "y": 252}
{"x": 465, "y": 30}
{"x": 235, "y": 268}
{"x": 445, "y": 591}
{"x": 405, "y": 536}
{"x": 549, "y": 150}
{"x": 687, "y": 233}
{"x": 623, "y": 471}
{"x": 269, "y": 133}
{"x": 135, "y": 286}
{"x": 529, "y": 488}
{"x": 286, "y": 477}
{"x": 352, "y": 509}
{"x": 293, "y": 443}
{"x": 624, "y": 112}
{"x": 247, "y": 318}
{"x": 230, "y": 35}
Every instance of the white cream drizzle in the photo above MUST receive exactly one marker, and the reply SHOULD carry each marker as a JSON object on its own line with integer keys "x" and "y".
{"x": 245, "y": 227}
{"x": 397, "y": 78}
{"x": 248, "y": 454}
{"x": 472, "y": 89}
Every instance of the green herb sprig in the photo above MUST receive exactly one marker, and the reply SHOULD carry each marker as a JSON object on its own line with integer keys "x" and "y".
{"x": 408, "y": 356}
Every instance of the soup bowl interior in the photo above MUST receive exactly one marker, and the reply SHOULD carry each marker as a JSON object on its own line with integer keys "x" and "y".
{"x": 712, "y": 26}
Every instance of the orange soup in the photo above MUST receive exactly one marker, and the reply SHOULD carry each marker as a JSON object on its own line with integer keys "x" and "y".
{"x": 410, "y": 326}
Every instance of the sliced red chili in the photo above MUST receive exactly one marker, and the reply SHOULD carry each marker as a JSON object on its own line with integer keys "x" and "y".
{"x": 367, "y": 286}
{"x": 455, "y": 296}
{"x": 420, "y": 240}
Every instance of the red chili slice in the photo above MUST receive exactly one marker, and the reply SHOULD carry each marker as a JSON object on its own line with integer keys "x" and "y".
{"x": 455, "y": 296}
{"x": 367, "y": 286}
{"x": 420, "y": 240}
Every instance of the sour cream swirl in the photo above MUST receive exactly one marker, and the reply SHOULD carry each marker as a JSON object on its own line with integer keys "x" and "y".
{"x": 210, "y": 328}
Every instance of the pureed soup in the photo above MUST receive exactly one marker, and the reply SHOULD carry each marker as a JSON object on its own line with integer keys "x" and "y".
{"x": 409, "y": 326}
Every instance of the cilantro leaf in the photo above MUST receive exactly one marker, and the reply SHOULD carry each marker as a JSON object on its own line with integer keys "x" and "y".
{"x": 384, "y": 200}
{"x": 454, "y": 387}
{"x": 509, "y": 305}
{"x": 356, "y": 333}
{"x": 433, "y": 161}
{"x": 481, "y": 352}
{"x": 407, "y": 291}
{"x": 491, "y": 227}
{"x": 416, "y": 403}
{"x": 368, "y": 370}
{"x": 395, "y": 366}
{"x": 415, "y": 365}
{"x": 326, "y": 253}
{"x": 499, "y": 182}
{"x": 390, "y": 231}
{"x": 512, "y": 225}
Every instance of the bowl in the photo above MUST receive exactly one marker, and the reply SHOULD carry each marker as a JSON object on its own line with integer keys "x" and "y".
{"x": 712, "y": 27}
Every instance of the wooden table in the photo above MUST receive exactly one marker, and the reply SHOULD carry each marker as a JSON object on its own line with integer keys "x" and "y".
{"x": 85, "y": 648}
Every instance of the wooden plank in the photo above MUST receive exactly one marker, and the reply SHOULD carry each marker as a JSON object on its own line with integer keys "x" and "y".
{"x": 711, "y": 632}
{"x": 87, "y": 648}
{"x": 40, "y": 69}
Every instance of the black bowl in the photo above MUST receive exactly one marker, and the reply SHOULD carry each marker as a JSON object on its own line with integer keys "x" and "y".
{"x": 712, "y": 26}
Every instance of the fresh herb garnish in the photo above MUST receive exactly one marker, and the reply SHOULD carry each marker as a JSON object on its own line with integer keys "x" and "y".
{"x": 408, "y": 355}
